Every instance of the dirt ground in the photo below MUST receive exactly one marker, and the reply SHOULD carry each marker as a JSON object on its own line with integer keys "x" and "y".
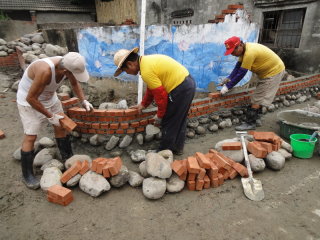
{"x": 290, "y": 210}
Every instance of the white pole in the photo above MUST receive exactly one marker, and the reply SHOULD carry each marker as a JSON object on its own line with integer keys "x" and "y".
{"x": 142, "y": 33}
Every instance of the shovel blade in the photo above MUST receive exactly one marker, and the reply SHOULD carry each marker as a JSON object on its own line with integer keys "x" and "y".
{"x": 253, "y": 189}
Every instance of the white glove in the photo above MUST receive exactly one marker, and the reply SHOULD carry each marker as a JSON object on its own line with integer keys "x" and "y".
{"x": 157, "y": 120}
{"x": 224, "y": 90}
{"x": 54, "y": 120}
{"x": 88, "y": 106}
{"x": 224, "y": 81}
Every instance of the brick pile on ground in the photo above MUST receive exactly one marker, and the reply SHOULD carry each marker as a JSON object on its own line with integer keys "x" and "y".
{"x": 202, "y": 171}
{"x": 265, "y": 143}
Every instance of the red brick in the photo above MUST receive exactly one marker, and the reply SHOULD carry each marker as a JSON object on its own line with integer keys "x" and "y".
{"x": 114, "y": 125}
{"x": 2, "y": 134}
{"x": 257, "y": 150}
{"x": 231, "y": 146}
{"x": 192, "y": 165}
{"x": 199, "y": 184}
{"x": 220, "y": 162}
{"x": 191, "y": 185}
{"x": 71, "y": 172}
{"x": 59, "y": 192}
{"x": 106, "y": 172}
{"x": 183, "y": 177}
{"x": 201, "y": 174}
{"x": 215, "y": 182}
{"x": 215, "y": 95}
{"x": 267, "y": 146}
{"x": 100, "y": 164}
{"x": 134, "y": 124}
{"x": 232, "y": 173}
{"x": 140, "y": 129}
{"x": 99, "y": 112}
{"x": 206, "y": 182}
{"x": 84, "y": 167}
{"x": 115, "y": 112}
{"x": 124, "y": 125}
{"x": 220, "y": 179}
{"x": 67, "y": 123}
{"x": 64, "y": 202}
{"x": 115, "y": 165}
{"x": 70, "y": 101}
{"x": 203, "y": 161}
{"x": 131, "y": 112}
{"x": 130, "y": 131}
{"x": 242, "y": 170}
{"x": 191, "y": 176}
{"x": 143, "y": 122}
{"x": 213, "y": 171}
{"x": 178, "y": 167}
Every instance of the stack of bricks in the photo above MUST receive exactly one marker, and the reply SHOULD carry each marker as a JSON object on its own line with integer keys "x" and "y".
{"x": 107, "y": 167}
{"x": 60, "y": 195}
{"x": 265, "y": 143}
{"x": 77, "y": 168}
{"x": 203, "y": 171}
{"x": 10, "y": 61}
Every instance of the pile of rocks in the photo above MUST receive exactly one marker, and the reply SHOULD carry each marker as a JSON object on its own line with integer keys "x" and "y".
{"x": 32, "y": 46}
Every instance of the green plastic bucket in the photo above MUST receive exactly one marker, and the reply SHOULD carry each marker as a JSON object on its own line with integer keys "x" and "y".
{"x": 301, "y": 146}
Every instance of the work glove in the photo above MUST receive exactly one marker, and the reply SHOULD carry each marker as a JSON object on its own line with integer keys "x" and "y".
{"x": 224, "y": 90}
{"x": 140, "y": 107}
{"x": 157, "y": 120}
{"x": 224, "y": 81}
{"x": 87, "y": 106}
{"x": 55, "y": 120}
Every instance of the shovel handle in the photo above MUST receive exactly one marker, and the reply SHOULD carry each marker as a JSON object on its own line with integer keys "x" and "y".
{"x": 245, "y": 153}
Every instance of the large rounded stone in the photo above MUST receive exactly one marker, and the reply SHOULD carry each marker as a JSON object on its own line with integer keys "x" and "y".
{"x": 94, "y": 184}
{"x": 275, "y": 161}
{"x": 175, "y": 184}
{"x": 78, "y": 157}
{"x": 157, "y": 166}
{"x": 51, "y": 176}
{"x": 154, "y": 188}
{"x": 121, "y": 178}
{"x": 256, "y": 164}
{"x": 135, "y": 179}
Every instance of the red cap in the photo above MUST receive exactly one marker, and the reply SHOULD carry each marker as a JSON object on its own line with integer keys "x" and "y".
{"x": 231, "y": 44}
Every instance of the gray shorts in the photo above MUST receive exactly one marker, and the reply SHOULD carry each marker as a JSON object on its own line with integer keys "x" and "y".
{"x": 266, "y": 90}
{"x": 32, "y": 120}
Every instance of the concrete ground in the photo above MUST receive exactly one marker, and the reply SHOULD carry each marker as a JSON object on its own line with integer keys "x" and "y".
{"x": 290, "y": 210}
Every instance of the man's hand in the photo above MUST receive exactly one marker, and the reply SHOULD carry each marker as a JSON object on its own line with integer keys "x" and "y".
{"x": 140, "y": 107}
{"x": 87, "y": 106}
{"x": 224, "y": 90}
{"x": 224, "y": 81}
{"x": 54, "y": 120}
{"x": 157, "y": 120}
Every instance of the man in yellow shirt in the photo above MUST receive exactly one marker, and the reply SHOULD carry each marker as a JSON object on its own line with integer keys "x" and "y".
{"x": 170, "y": 85}
{"x": 262, "y": 61}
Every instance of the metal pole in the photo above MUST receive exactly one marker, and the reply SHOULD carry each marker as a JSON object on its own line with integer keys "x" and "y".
{"x": 142, "y": 36}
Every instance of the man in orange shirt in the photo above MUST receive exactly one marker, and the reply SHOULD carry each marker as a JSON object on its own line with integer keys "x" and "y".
{"x": 170, "y": 85}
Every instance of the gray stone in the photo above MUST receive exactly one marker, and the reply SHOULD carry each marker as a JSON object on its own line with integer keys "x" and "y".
{"x": 257, "y": 164}
{"x": 64, "y": 89}
{"x": 112, "y": 143}
{"x": 193, "y": 123}
{"x": 93, "y": 184}
{"x": 46, "y": 142}
{"x": 78, "y": 157}
{"x": 116, "y": 153}
{"x": 51, "y": 176}
{"x": 121, "y": 178}
{"x": 37, "y": 39}
{"x": 213, "y": 127}
{"x": 214, "y": 117}
{"x": 126, "y": 141}
{"x": 138, "y": 155}
{"x": 45, "y": 155}
{"x": 228, "y": 122}
{"x": 94, "y": 140}
{"x": 158, "y": 136}
{"x": 154, "y": 188}
{"x": 74, "y": 180}
{"x": 157, "y": 166}
{"x": 148, "y": 138}
{"x": 75, "y": 134}
{"x": 175, "y": 184}
{"x": 222, "y": 124}
{"x": 204, "y": 120}
{"x": 200, "y": 130}
{"x": 225, "y": 114}
{"x": 152, "y": 130}
{"x": 301, "y": 99}
{"x": 190, "y": 133}
{"x": 143, "y": 169}
{"x": 275, "y": 161}
{"x": 167, "y": 155}
{"x": 135, "y": 179}
{"x": 286, "y": 146}
{"x": 139, "y": 139}
{"x": 53, "y": 163}
{"x": 285, "y": 153}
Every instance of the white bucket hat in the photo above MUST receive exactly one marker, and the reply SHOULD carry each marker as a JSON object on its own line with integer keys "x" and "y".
{"x": 76, "y": 64}
{"x": 120, "y": 56}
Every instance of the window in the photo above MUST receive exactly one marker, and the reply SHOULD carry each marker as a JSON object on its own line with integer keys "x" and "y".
{"x": 282, "y": 28}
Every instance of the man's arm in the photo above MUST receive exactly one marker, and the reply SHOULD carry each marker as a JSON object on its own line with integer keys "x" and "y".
{"x": 40, "y": 81}
{"x": 237, "y": 74}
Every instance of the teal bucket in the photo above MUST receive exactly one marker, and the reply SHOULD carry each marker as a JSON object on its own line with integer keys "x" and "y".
{"x": 302, "y": 147}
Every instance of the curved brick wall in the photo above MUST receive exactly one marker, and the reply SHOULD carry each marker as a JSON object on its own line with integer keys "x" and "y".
{"x": 129, "y": 121}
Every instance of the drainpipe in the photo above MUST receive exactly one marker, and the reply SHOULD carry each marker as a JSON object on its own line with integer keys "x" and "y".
{"x": 142, "y": 36}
